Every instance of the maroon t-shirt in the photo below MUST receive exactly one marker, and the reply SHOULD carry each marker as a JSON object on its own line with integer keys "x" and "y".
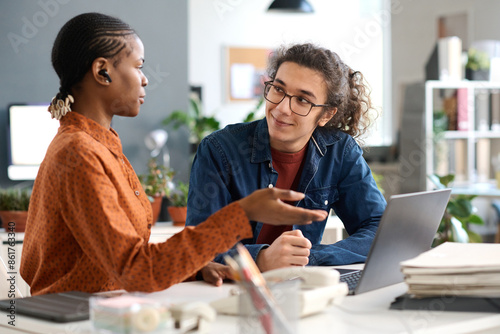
{"x": 289, "y": 167}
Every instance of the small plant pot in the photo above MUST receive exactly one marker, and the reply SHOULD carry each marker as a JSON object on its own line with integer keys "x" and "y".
{"x": 482, "y": 75}
{"x": 156, "y": 206}
{"x": 16, "y": 219}
{"x": 178, "y": 215}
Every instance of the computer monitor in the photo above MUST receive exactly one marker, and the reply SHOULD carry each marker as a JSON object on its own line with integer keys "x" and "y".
{"x": 30, "y": 129}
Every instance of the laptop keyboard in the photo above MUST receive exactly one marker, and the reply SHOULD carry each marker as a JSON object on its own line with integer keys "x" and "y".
{"x": 351, "y": 278}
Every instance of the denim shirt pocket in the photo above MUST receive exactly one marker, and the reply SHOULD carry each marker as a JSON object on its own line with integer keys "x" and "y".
{"x": 320, "y": 198}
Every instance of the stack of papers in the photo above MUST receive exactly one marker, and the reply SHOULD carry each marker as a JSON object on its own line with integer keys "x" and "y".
{"x": 455, "y": 269}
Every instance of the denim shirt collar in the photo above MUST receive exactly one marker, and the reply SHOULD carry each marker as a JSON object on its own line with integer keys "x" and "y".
{"x": 261, "y": 150}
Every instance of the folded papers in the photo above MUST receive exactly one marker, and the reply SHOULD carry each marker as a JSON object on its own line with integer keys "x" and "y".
{"x": 455, "y": 269}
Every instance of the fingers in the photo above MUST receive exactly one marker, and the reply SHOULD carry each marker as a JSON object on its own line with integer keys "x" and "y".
{"x": 215, "y": 273}
{"x": 214, "y": 280}
{"x": 297, "y": 240}
{"x": 218, "y": 282}
{"x": 297, "y": 233}
{"x": 299, "y": 260}
{"x": 305, "y": 216}
{"x": 267, "y": 205}
{"x": 312, "y": 215}
{"x": 288, "y": 195}
{"x": 291, "y": 248}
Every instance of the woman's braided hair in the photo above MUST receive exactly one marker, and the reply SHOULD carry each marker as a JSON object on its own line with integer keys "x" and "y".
{"x": 345, "y": 88}
{"x": 79, "y": 42}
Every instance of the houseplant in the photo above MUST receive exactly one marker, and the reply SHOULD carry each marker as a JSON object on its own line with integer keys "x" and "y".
{"x": 198, "y": 125}
{"x": 478, "y": 65}
{"x": 458, "y": 215}
{"x": 178, "y": 203}
{"x": 157, "y": 183}
{"x": 14, "y": 208}
{"x": 253, "y": 114}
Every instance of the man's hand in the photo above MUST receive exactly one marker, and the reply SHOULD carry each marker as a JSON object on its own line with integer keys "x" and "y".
{"x": 267, "y": 206}
{"x": 214, "y": 273}
{"x": 289, "y": 249}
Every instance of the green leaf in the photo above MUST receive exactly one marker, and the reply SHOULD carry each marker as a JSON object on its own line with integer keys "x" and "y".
{"x": 198, "y": 125}
{"x": 447, "y": 179}
{"x": 475, "y": 219}
{"x": 459, "y": 214}
{"x": 179, "y": 196}
{"x": 474, "y": 237}
{"x": 178, "y": 118}
{"x": 14, "y": 199}
{"x": 195, "y": 105}
{"x": 459, "y": 233}
{"x": 460, "y": 208}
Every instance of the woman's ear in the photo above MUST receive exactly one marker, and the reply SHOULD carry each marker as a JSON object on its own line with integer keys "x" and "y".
{"x": 327, "y": 116}
{"x": 100, "y": 68}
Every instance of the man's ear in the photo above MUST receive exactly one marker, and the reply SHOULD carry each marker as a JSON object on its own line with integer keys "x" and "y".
{"x": 99, "y": 66}
{"x": 327, "y": 116}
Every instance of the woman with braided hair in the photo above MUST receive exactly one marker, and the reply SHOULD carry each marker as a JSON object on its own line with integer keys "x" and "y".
{"x": 89, "y": 220}
{"x": 315, "y": 106}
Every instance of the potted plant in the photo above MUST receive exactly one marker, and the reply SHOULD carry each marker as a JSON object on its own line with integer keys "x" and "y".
{"x": 14, "y": 208}
{"x": 478, "y": 65}
{"x": 253, "y": 114}
{"x": 178, "y": 203}
{"x": 458, "y": 215}
{"x": 157, "y": 183}
{"x": 198, "y": 125}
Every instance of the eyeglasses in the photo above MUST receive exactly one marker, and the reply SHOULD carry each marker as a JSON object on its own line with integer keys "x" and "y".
{"x": 298, "y": 105}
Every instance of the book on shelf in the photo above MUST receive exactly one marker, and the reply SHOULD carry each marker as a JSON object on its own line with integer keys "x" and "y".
{"x": 462, "y": 110}
{"x": 442, "y": 161}
{"x": 450, "y": 58}
{"x": 482, "y": 110}
{"x": 450, "y": 109}
{"x": 495, "y": 110}
{"x": 483, "y": 158}
{"x": 459, "y": 162}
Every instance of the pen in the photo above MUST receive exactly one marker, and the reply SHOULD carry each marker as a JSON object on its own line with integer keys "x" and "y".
{"x": 249, "y": 275}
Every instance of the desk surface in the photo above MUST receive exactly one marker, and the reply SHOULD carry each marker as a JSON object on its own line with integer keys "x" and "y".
{"x": 364, "y": 313}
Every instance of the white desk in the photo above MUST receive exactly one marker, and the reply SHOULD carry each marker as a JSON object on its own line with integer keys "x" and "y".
{"x": 365, "y": 313}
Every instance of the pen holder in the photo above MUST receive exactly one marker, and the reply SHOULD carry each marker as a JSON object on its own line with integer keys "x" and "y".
{"x": 254, "y": 318}
{"x": 129, "y": 314}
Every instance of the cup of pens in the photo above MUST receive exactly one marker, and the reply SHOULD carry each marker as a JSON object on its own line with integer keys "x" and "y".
{"x": 254, "y": 319}
{"x": 264, "y": 307}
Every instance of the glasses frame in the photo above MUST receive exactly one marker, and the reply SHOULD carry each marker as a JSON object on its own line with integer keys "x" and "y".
{"x": 285, "y": 94}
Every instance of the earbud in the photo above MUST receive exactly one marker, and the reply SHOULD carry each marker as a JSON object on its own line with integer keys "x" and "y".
{"x": 105, "y": 74}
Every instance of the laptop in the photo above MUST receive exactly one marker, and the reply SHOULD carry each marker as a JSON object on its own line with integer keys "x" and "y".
{"x": 407, "y": 228}
{"x": 57, "y": 307}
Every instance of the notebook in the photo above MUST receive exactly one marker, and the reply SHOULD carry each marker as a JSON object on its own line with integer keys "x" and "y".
{"x": 407, "y": 228}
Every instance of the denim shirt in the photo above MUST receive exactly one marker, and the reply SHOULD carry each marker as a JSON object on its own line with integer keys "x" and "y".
{"x": 233, "y": 162}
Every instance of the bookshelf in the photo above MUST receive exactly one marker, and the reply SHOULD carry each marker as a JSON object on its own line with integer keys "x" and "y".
{"x": 462, "y": 133}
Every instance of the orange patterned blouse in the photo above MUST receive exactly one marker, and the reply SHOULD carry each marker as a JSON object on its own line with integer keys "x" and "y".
{"x": 89, "y": 222}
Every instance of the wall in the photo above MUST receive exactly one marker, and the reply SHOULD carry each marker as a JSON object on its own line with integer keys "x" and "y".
{"x": 26, "y": 74}
{"x": 217, "y": 24}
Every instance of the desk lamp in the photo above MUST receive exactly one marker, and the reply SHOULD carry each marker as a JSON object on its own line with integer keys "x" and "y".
{"x": 155, "y": 141}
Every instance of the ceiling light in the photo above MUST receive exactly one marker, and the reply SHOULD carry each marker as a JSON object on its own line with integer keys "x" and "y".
{"x": 291, "y": 6}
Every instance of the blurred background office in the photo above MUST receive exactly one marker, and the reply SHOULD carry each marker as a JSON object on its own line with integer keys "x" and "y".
{"x": 214, "y": 49}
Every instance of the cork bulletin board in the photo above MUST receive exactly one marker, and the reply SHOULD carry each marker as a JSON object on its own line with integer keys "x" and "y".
{"x": 246, "y": 71}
